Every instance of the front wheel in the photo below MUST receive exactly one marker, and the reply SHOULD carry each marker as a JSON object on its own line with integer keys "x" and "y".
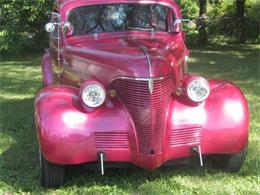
{"x": 230, "y": 162}
{"x": 51, "y": 175}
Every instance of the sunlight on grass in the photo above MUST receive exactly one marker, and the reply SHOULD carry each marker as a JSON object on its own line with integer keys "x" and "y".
{"x": 6, "y": 142}
{"x": 19, "y": 170}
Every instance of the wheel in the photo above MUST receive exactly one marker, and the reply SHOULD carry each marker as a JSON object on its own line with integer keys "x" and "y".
{"x": 230, "y": 162}
{"x": 51, "y": 175}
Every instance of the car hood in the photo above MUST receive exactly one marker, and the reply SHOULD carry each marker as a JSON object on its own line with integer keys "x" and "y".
{"x": 106, "y": 59}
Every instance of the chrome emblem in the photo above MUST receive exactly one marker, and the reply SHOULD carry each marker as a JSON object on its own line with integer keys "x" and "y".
{"x": 150, "y": 84}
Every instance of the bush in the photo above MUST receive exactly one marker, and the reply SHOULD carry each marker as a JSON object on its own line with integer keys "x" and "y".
{"x": 223, "y": 20}
{"x": 22, "y": 25}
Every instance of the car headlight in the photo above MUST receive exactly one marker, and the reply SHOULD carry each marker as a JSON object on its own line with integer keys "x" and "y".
{"x": 93, "y": 95}
{"x": 198, "y": 89}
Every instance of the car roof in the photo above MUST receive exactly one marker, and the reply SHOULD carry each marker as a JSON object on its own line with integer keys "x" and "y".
{"x": 66, "y": 4}
{"x": 59, "y": 3}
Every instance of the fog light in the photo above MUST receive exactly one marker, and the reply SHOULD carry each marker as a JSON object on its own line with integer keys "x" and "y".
{"x": 112, "y": 93}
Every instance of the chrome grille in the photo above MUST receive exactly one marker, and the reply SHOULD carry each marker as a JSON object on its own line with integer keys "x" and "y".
{"x": 74, "y": 73}
{"x": 148, "y": 110}
{"x": 187, "y": 136}
{"x": 111, "y": 140}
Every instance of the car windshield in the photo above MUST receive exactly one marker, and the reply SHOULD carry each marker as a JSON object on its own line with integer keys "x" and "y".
{"x": 118, "y": 18}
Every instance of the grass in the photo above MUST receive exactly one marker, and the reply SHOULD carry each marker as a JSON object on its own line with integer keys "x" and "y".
{"x": 19, "y": 169}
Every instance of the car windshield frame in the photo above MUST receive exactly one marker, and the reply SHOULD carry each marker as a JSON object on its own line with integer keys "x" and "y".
{"x": 167, "y": 9}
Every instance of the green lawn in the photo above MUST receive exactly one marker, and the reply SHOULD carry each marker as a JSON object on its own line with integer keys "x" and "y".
{"x": 19, "y": 169}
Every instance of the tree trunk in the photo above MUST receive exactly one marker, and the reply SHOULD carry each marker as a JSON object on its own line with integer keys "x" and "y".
{"x": 203, "y": 35}
{"x": 240, "y": 5}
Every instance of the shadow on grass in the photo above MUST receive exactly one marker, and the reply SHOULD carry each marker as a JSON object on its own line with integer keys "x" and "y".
{"x": 20, "y": 81}
{"x": 19, "y": 169}
{"x": 238, "y": 64}
{"x": 18, "y": 164}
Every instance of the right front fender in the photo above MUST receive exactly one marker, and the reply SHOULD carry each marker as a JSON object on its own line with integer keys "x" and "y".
{"x": 69, "y": 135}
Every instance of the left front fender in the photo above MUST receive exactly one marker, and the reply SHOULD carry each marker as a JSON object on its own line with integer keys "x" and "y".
{"x": 227, "y": 123}
{"x": 219, "y": 125}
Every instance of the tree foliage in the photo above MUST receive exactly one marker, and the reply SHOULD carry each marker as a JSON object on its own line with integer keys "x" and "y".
{"x": 22, "y": 21}
{"x": 224, "y": 18}
{"x": 22, "y": 24}
{"x": 202, "y": 27}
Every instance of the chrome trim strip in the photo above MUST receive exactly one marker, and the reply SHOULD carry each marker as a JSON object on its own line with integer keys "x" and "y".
{"x": 148, "y": 59}
{"x": 143, "y": 49}
{"x": 150, "y": 81}
{"x": 138, "y": 78}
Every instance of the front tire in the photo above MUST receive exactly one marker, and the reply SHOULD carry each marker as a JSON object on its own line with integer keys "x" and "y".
{"x": 230, "y": 162}
{"x": 51, "y": 175}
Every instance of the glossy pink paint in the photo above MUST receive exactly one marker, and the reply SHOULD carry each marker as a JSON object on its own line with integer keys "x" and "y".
{"x": 69, "y": 133}
{"x": 123, "y": 54}
{"x": 47, "y": 74}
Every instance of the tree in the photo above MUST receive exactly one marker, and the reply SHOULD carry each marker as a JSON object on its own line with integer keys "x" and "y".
{"x": 22, "y": 24}
{"x": 240, "y": 12}
{"x": 203, "y": 35}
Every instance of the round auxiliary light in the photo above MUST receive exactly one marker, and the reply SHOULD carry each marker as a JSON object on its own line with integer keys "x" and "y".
{"x": 93, "y": 95}
{"x": 198, "y": 89}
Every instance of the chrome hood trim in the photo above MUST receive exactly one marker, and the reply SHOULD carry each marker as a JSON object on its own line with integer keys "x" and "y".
{"x": 139, "y": 78}
{"x": 150, "y": 80}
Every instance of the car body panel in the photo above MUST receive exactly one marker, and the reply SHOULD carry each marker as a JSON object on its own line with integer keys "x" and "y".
{"x": 151, "y": 63}
{"x": 70, "y": 135}
{"x": 108, "y": 58}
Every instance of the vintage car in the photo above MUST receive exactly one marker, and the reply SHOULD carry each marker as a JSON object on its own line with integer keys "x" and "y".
{"x": 117, "y": 91}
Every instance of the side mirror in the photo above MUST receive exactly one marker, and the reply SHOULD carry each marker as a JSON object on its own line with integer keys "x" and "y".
{"x": 50, "y": 27}
{"x": 177, "y": 25}
{"x": 68, "y": 29}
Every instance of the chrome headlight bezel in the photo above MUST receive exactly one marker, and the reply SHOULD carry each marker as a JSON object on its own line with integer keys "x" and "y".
{"x": 198, "y": 89}
{"x": 93, "y": 94}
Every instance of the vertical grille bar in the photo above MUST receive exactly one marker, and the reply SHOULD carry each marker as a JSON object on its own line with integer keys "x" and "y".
{"x": 147, "y": 110}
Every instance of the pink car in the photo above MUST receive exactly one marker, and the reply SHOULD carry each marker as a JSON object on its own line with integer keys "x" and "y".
{"x": 116, "y": 90}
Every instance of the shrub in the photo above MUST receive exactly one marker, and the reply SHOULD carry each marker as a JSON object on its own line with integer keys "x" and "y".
{"x": 22, "y": 25}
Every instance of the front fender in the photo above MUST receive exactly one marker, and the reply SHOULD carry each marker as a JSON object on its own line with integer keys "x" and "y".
{"x": 219, "y": 125}
{"x": 47, "y": 74}
{"x": 227, "y": 123}
{"x": 67, "y": 134}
